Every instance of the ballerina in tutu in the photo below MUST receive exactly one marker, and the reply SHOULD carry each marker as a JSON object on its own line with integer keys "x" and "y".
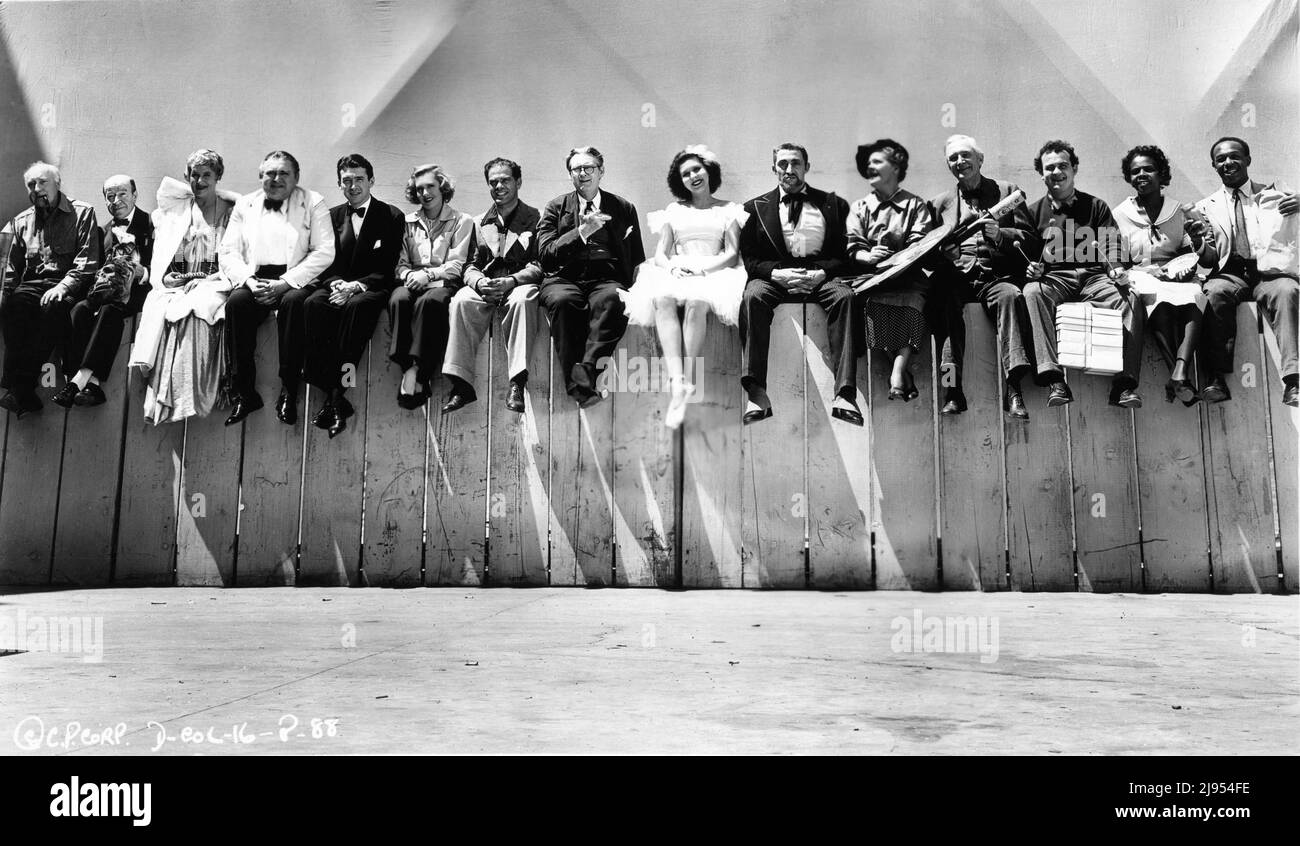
{"x": 697, "y": 265}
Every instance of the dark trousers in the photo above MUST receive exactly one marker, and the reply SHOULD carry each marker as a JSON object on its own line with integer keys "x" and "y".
{"x": 338, "y": 334}
{"x": 1061, "y": 286}
{"x": 843, "y": 326}
{"x": 420, "y": 324}
{"x": 587, "y": 322}
{"x": 1277, "y": 297}
{"x": 31, "y": 332}
{"x": 1002, "y": 302}
{"x": 96, "y": 334}
{"x": 244, "y": 315}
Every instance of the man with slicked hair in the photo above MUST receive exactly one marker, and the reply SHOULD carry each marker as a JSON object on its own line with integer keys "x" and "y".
{"x": 53, "y": 252}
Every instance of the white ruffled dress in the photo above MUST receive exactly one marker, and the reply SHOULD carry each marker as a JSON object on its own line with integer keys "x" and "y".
{"x": 696, "y": 233}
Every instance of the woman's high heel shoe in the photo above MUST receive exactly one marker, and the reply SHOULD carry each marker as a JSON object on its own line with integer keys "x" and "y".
{"x": 1183, "y": 390}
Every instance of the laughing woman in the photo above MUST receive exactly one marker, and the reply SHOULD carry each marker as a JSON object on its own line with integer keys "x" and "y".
{"x": 437, "y": 244}
{"x": 1164, "y": 246}
{"x": 696, "y": 266}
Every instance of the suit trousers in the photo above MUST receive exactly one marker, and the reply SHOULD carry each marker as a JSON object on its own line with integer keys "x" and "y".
{"x": 1002, "y": 301}
{"x": 1060, "y": 286}
{"x": 587, "y": 322}
{"x": 244, "y": 315}
{"x": 419, "y": 322}
{"x": 843, "y": 326}
{"x": 337, "y": 334}
{"x": 1277, "y": 298}
{"x": 96, "y": 335}
{"x": 470, "y": 318}
{"x": 31, "y": 332}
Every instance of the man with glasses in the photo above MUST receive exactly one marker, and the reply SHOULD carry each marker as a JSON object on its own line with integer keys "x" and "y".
{"x": 278, "y": 241}
{"x": 589, "y": 242}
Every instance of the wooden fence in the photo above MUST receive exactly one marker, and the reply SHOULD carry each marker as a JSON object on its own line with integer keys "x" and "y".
{"x": 1084, "y": 497}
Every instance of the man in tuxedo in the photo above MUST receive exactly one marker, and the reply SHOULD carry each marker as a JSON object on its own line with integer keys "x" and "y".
{"x": 502, "y": 274}
{"x": 53, "y": 248}
{"x": 978, "y": 269}
{"x": 590, "y": 245}
{"x": 1245, "y": 217}
{"x": 341, "y": 314}
{"x": 97, "y": 322}
{"x": 1076, "y": 249}
{"x": 278, "y": 241}
{"x": 794, "y": 246}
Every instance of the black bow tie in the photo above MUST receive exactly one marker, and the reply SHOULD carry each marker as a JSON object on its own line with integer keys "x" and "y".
{"x": 359, "y": 211}
{"x": 272, "y": 205}
{"x": 795, "y": 202}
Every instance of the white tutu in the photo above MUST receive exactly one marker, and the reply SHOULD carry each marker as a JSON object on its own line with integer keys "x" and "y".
{"x": 698, "y": 235}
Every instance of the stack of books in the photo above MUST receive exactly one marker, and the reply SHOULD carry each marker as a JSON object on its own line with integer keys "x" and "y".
{"x": 1090, "y": 339}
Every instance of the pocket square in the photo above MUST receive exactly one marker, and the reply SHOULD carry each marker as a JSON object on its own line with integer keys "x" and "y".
{"x": 378, "y": 243}
{"x": 627, "y": 233}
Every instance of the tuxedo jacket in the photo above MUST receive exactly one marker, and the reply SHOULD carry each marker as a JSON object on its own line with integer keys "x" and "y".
{"x": 368, "y": 256}
{"x": 990, "y": 192}
{"x": 509, "y": 253}
{"x": 141, "y": 229}
{"x": 561, "y": 249}
{"x": 310, "y": 248}
{"x": 762, "y": 245}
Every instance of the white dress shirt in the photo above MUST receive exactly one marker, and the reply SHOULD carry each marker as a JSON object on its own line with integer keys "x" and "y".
{"x": 807, "y": 238}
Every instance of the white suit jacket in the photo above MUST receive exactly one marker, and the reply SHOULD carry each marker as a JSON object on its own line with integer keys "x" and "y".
{"x": 310, "y": 253}
{"x": 1272, "y": 240}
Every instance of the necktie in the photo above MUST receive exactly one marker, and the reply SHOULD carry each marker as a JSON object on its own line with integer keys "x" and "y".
{"x": 1240, "y": 240}
{"x": 272, "y": 205}
{"x": 589, "y": 208}
{"x": 795, "y": 202}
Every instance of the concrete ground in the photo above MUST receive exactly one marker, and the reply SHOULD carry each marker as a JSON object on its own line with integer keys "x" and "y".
{"x": 646, "y": 671}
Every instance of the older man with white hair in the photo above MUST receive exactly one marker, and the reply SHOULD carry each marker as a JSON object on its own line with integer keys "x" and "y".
{"x": 982, "y": 268}
{"x": 54, "y": 251}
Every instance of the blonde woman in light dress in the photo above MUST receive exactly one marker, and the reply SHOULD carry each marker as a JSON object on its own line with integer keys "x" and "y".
{"x": 179, "y": 348}
{"x": 697, "y": 265}
{"x": 1164, "y": 245}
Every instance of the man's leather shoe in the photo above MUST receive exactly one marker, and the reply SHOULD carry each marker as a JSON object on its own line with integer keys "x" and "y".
{"x": 1216, "y": 391}
{"x": 91, "y": 395}
{"x": 954, "y": 401}
{"x": 344, "y": 408}
{"x": 515, "y": 398}
{"x": 456, "y": 402}
{"x": 413, "y": 401}
{"x": 339, "y": 424}
{"x": 1059, "y": 395}
{"x": 1016, "y": 409}
{"x": 847, "y": 410}
{"x": 243, "y": 407}
{"x": 1128, "y": 398}
{"x": 286, "y": 408}
{"x": 592, "y": 398}
{"x": 67, "y": 395}
{"x": 1291, "y": 396}
{"x": 326, "y": 417}
{"x": 754, "y": 413}
{"x": 20, "y": 405}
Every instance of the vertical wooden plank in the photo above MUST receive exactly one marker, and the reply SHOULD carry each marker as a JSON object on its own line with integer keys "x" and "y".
{"x": 839, "y": 469}
{"x": 92, "y": 464}
{"x": 902, "y": 457}
{"x": 971, "y": 485}
{"x": 712, "y": 470}
{"x": 1241, "y": 531}
{"x": 645, "y": 458}
{"x": 270, "y": 489}
{"x": 457, "y": 487}
{"x": 1286, "y": 461}
{"x": 1039, "y": 500}
{"x": 1171, "y": 486}
{"x": 582, "y": 530}
{"x": 774, "y": 498}
{"x": 332, "y": 490}
{"x": 146, "y": 542}
{"x": 392, "y": 545}
{"x": 1105, "y": 487}
{"x": 519, "y": 509}
{"x": 30, "y": 499}
{"x": 208, "y": 514}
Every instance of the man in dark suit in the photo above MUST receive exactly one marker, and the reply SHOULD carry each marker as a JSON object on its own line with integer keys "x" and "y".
{"x": 980, "y": 270}
{"x": 53, "y": 249}
{"x": 794, "y": 249}
{"x": 97, "y": 322}
{"x": 340, "y": 316}
{"x": 502, "y": 274}
{"x": 590, "y": 246}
